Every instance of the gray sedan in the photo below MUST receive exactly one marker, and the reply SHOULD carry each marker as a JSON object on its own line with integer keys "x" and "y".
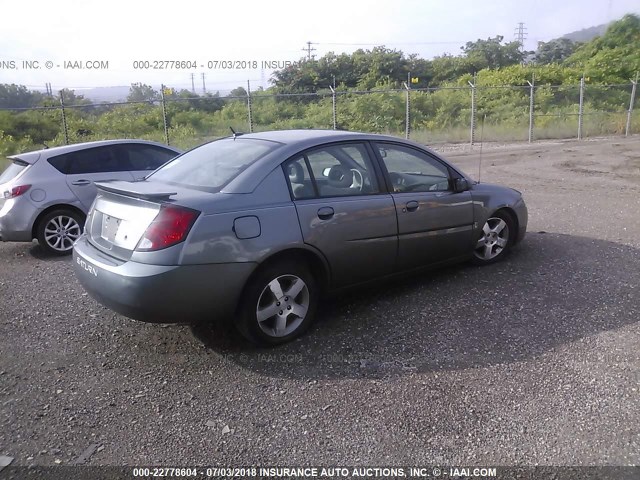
{"x": 253, "y": 228}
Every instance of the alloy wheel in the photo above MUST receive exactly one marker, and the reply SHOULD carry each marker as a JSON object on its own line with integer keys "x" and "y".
{"x": 283, "y": 305}
{"x": 61, "y": 232}
{"x": 494, "y": 239}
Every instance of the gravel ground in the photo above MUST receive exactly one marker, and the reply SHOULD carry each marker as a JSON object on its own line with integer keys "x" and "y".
{"x": 534, "y": 360}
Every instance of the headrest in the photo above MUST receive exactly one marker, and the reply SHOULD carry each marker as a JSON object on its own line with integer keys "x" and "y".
{"x": 295, "y": 172}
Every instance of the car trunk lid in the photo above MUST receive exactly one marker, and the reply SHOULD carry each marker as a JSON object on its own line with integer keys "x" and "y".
{"x": 123, "y": 212}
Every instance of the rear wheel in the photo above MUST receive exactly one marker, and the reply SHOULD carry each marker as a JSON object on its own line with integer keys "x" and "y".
{"x": 498, "y": 234}
{"x": 279, "y": 304}
{"x": 58, "y": 230}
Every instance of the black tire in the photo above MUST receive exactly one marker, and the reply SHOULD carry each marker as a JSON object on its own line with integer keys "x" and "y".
{"x": 258, "y": 294}
{"x": 491, "y": 252}
{"x": 69, "y": 224}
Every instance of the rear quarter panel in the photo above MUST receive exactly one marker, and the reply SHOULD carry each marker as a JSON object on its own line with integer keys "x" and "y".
{"x": 215, "y": 239}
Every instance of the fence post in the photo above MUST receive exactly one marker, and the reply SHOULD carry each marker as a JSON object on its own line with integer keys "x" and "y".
{"x": 249, "y": 112}
{"x": 164, "y": 115}
{"x": 472, "y": 134}
{"x": 531, "y": 94}
{"x": 335, "y": 113}
{"x": 581, "y": 108}
{"x": 64, "y": 120}
{"x": 407, "y": 116}
{"x": 631, "y": 102}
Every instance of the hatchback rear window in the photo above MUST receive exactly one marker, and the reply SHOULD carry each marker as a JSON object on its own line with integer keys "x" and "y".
{"x": 15, "y": 167}
{"x": 211, "y": 166}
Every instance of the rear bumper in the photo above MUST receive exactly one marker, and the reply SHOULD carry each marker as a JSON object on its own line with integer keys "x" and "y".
{"x": 159, "y": 293}
{"x": 16, "y": 220}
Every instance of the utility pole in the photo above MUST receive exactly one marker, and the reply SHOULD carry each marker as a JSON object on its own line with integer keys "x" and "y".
{"x": 308, "y": 49}
{"x": 193, "y": 85}
{"x": 204, "y": 88}
{"x": 521, "y": 35}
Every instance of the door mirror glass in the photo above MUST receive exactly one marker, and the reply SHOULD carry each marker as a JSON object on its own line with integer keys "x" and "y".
{"x": 460, "y": 185}
{"x": 325, "y": 172}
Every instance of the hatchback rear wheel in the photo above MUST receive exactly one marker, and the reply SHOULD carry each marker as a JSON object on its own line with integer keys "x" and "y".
{"x": 279, "y": 304}
{"x": 58, "y": 230}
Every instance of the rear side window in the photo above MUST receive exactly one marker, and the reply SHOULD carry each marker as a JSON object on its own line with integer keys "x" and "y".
{"x": 213, "y": 165}
{"x": 147, "y": 157}
{"x": 90, "y": 160}
{"x": 59, "y": 163}
{"x": 13, "y": 170}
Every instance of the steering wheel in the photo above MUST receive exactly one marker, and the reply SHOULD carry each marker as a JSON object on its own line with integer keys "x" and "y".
{"x": 359, "y": 181}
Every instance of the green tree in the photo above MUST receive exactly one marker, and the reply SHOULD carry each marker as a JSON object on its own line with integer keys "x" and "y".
{"x": 140, "y": 92}
{"x": 18, "y": 96}
{"x": 71, "y": 98}
{"x": 491, "y": 53}
{"x": 238, "y": 92}
{"x": 555, "y": 51}
{"x": 612, "y": 58}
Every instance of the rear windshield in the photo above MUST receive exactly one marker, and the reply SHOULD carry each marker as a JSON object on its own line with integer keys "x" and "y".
{"x": 12, "y": 171}
{"x": 211, "y": 166}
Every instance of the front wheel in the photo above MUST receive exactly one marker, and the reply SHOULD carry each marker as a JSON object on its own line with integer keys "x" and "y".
{"x": 498, "y": 234}
{"x": 58, "y": 230}
{"x": 279, "y": 304}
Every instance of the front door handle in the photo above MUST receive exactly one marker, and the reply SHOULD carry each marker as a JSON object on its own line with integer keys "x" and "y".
{"x": 325, "y": 213}
{"x": 412, "y": 206}
{"x": 81, "y": 182}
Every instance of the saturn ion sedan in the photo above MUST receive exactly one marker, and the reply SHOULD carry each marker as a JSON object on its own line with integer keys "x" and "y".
{"x": 253, "y": 228}
{"x": 46, "y": 194}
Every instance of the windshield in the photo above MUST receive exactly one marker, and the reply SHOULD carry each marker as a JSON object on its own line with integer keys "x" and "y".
{"x": 12, "y": 171}
{"x": 213, "y": 165}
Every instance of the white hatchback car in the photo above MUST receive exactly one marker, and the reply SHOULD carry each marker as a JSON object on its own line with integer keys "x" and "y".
{"x": 46, "y": 194}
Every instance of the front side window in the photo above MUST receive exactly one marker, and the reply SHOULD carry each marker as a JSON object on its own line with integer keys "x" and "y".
{"x": 337, "y": 170}
{"x": 211, "y": 166}
{"x": 411, "y": 170}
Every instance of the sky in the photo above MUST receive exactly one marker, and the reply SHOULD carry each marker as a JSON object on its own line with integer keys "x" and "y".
{"x": 215, "y": 36}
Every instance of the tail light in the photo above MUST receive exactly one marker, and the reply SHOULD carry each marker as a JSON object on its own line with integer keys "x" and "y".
{"x": 170, "y": 227}
{"x": 16, "y": 191}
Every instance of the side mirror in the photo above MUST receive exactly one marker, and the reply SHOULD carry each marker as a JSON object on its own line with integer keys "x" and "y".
{"x": 325, "y": 172}
{"x": 460, "y": 185}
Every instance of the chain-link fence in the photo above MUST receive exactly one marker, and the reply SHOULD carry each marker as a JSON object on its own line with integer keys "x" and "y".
{"x": 470, "y": 114}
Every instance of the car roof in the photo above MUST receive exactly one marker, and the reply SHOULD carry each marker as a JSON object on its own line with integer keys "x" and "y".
{"x": 314, "y": 136}
{"x": 31, "y": 157}
{"x": 294, "y": 141}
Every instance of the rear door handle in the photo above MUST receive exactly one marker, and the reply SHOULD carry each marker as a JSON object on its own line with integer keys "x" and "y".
{"x": 325, "y": 213}
{"x": 81, "y": 182}
{"x": 412, "y": 206}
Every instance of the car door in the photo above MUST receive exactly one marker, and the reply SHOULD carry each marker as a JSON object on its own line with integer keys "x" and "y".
{"x": 435, "y": 223}
{"x": 90, "y": 165}
{"x": 343, "y": 212}
{"x": 142, "y": 159}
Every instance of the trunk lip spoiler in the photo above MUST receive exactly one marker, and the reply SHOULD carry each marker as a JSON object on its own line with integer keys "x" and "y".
{"x": 129, "y": 189}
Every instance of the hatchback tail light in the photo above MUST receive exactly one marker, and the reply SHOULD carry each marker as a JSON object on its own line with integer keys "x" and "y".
{"x": 170, "y": 227}
{"x": 16, "y": 191}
